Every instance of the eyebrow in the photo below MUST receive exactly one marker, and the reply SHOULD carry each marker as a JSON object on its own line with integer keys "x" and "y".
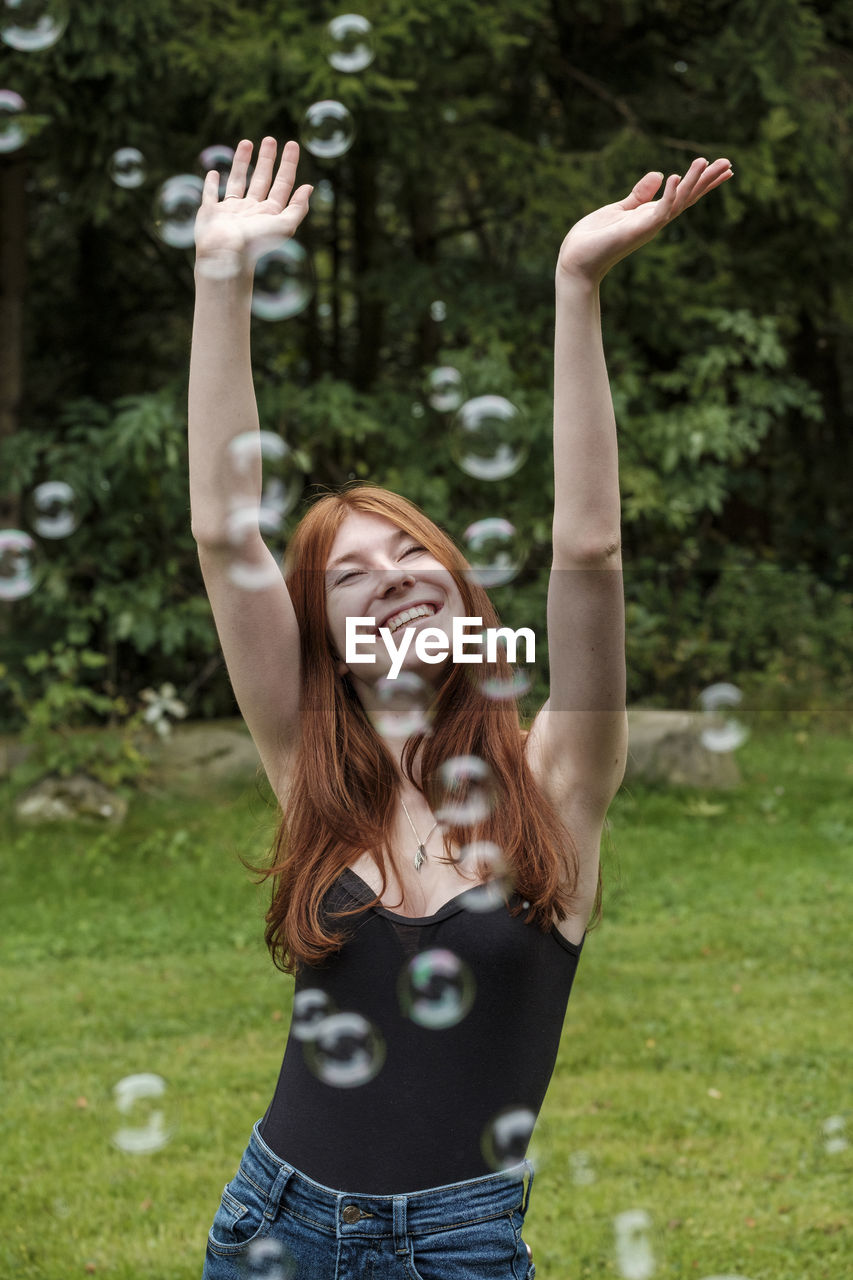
{"x": 357, "y": 555}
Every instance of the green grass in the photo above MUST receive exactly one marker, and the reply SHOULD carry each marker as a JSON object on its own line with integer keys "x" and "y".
{"x": 706, "y": 1043}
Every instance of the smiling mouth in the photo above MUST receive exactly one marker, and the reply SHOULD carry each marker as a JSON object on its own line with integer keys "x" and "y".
{"x": 410, "y": 622}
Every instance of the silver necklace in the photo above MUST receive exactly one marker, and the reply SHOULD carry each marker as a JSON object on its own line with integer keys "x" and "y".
{"x": 420, "y": 856}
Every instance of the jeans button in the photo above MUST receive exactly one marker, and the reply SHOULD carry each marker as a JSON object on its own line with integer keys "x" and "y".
{"x": 351, "y": 1213}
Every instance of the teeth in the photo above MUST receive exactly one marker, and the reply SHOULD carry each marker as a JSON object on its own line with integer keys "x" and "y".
{"x": 400, "y": 619}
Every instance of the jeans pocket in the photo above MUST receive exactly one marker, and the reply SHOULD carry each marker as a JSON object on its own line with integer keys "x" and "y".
{"x": 240, "y": 1217}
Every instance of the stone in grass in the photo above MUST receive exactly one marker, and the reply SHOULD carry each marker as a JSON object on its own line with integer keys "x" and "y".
{"x": 55, "y": 799}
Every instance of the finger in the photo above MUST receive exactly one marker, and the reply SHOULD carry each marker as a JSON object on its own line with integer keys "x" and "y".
{"x": 684, "y": 194}
{"x": 718, "y": 172}
{"x": 643, "y": 190}
{"x": 262, "y": 177}
{"x": 239, "y": 167}
{"x": 210, "y": 190}
{"x": 286, "y": 176}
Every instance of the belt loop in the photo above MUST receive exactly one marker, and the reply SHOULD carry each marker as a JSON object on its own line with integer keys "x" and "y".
{"x": 529, "y": 1166}
{"x": 401, "y": 1244}
{"x": 277, "y": 1191}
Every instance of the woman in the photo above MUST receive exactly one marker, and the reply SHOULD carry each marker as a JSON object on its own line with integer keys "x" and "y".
{"x": 395, "y": 1143}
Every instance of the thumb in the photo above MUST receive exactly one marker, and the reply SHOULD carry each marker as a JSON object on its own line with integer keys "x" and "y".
{"x": 643, "y": 190}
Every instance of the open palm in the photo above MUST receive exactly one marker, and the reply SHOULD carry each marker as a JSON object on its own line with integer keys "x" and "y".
{"x": 245, "y": 221}
{"x": 601, "y": 239}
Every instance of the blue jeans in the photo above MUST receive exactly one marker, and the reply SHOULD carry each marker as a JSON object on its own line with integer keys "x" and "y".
{"x": 274, "y": 1223}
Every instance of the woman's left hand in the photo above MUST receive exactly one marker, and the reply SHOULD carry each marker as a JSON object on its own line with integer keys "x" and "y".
{"x": 604, "y": 237}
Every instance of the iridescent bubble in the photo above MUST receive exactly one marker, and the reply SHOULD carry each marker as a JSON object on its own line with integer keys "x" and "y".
{"x": 328, "y": 129}
{"x": 436, "y": 989}
{"x": 310, "y": 1007}
{"x": 268, "y": 1259}
{"x": 51, "y": 509}
{"x": 283, "y": 285}
{"x": 350, "y": 37}
{"x": 494, "y": 551}
{"x": 127, "y": 167}
{"x": 580, "y": 1168}
{"x": 834, "y": 1137}
{"x": 634, "y": 1256}
{"x": 506, "y": 1138}
{"x": 12, "y": 134}
{"x": 417, "y": 410}
{"x": 403, "y": 705}
{"x": 680, "y": 66}
{"x": 220, "y": 158}
{"x": 253, "y": 567}
{"x": 488, "y": 439}
{"x": 503, "y": 681}
{"x": 467, "y": 791}
{"x": 497, "y": 887}
{"x": 450, "y": 114}
{"x": 21, "y": 568}
{"x": 438, "y": 311}
{"x": 445, "y": 389}
{"x": 141, "y": 1101}
{"x": 32, "y": 25}
{"x": 323, "y": 196}
{"x": 178, "y": 202}
{"x": 346, "y": 1050}
{"x": 721, "y": 734}
{"x": 264, "y": 456}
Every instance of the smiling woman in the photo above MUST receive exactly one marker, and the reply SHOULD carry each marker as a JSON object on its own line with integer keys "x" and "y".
{"x": 432, "y": 882}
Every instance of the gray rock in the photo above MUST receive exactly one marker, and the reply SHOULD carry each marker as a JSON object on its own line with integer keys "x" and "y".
{"x": 667, "y": 747}
{"x": 54, "y": 799}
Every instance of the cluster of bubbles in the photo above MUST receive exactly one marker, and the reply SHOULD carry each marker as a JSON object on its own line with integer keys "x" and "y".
{"x": 145, "y": 1120}
{"x": 51, "y": 512}
{"x": 28, "y": 26}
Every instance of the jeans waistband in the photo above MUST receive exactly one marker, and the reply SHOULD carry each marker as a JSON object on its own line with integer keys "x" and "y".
{"x": 366, "y": 1214}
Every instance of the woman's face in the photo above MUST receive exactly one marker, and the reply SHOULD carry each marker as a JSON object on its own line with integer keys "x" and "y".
{"x": 376, "y": 570}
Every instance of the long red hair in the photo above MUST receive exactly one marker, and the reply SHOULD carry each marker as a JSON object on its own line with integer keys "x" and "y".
{"x": 342, "y": 795}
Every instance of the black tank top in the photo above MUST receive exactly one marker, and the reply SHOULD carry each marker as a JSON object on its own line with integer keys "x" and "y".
{"x": 420, "y": 1120}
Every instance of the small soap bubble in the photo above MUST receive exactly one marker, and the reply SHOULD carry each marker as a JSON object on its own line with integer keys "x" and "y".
{"x": 21, "y": 566}
{"x": 310, "y": 1007}
{"x": 506, "y": 1138}
{"x": 403, "y": 705}
{"x": 488, "y": 858}
{"x": 32, "y": 25}
{"x": 722, "y": 735}
{"x": 12, "y": 135}
{"x": 141, "y": 1101}
{"x": 488, "y": 438}
{"x": 436, "y": 989}
{"x": 493, "y": 549}
{"x": 500, "y": 679}
{"x": 270, "y": 1260}
{"x": 680, "y": 66}
{"x": 450, "y": 115}
{"x": 178, "y": 202}
{"x": 251, "y": 567}
{"x": 220, "y": 158}
{"x": 634, "y": 1256}
{"x": 283, "y": 284}
{"x": 438, "y": 311}
{"x": 328, "y": 129}
{"x": 264, "y": 456}
{"x": 323, "y": 196}
{"x": 350, "y": 39}
{"x": 834, "y": 1137}
{"x": 127, "y": 167}
{"x": 445, "y": 389}
{"x": 467, "y": 791}
{"x": 580, "y": 1168}
{"x": 346, "y": 1051}
{"x": 51, "y": 510}
{"x": 417, "y": 410}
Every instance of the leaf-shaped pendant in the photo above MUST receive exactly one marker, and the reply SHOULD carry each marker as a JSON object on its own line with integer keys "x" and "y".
{"x": 420, "y": 857}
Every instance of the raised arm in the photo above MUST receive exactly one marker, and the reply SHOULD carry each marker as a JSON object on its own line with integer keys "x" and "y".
{"x": 257, "y": 626}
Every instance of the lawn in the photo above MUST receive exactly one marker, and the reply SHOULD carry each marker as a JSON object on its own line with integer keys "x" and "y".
{"x": 703, "y": 1077}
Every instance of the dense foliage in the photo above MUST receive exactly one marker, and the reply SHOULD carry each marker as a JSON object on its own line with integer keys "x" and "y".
{"x": 483, "y": 133}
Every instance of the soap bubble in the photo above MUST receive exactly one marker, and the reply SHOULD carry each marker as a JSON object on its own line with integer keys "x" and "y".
{"x": 512, "y": 682}
{"x": 467, "y": 791}
{"x": 265, "y": 456}
{"x": 506, "y": 1137}
{"x": 12, "y": 135}
{"x": 323, "y": 196}
{"x": 268, "y": 1259}
{"x": 32, "y": 25}
{"x": 310, "y": 1007}
{"x": 722, "y": 736}
{"x": 141, "y": 1099}
{"x": 51, "y": 509}
{"x": 436, "y": 989}
{"x": 178, "y": 202}
{"x": 498, "y": 885}
{"x": 493, "y": 549}
{"x": 403, "y": 705}
{"x": 444, "y": 388}
{"x": 488, "y": 438}
{"x": 580, "y": 1168}
{"x": 127, "y": 167}
{"x": 438, "y": 310}
{"x": 346, "y": 1051}
{"x": 834, "y": 1136}
{"x": 21, "y": 566}
{"x": 283, "y": 285}
{"x": 680, "y": 66}
{"x": 328, "y": 129}
{"x": 350, "y": 38}
{"x": 220, "y": 158}
{"x": 633, "y": 1249}
{"x": 417, "y": 410}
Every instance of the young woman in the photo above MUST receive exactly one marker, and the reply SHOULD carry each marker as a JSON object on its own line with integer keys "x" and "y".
{"x": 395, "y": 1144}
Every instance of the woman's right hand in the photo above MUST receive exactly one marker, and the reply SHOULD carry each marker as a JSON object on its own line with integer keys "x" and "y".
{"x": 250, "y": 222}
